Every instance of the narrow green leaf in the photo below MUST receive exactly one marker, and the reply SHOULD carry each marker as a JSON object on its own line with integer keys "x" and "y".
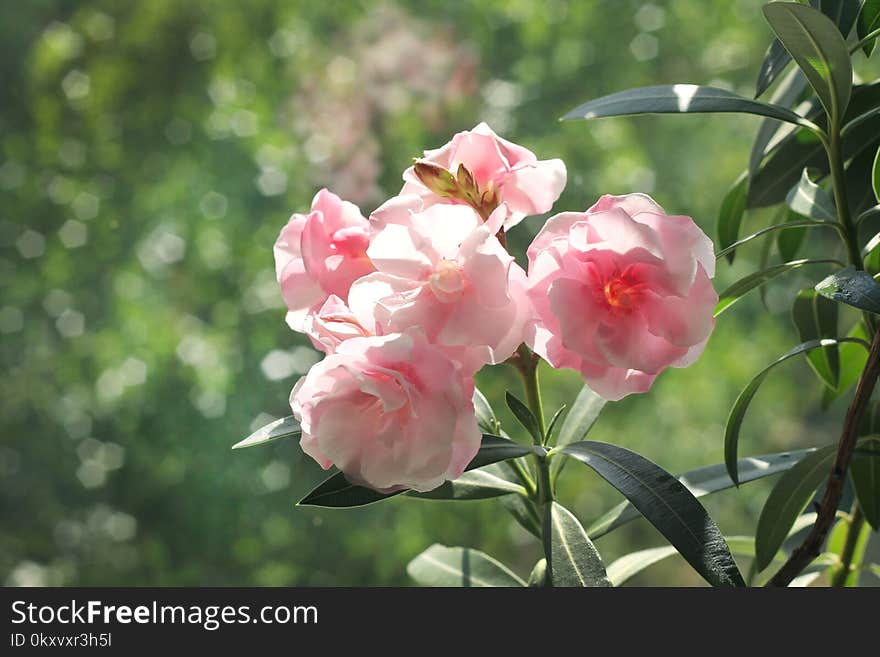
{"x": 460, "y": 567}
{"x": 775, "y": 61}
{"x": 789, "y": 242}
{"x": 771, "y": 132}
{"x": 525, "y": 416}
{"x": 869, "y": 20}
{"x": 853, "y": 356}
{"x": 731, "y": 213}
{"x": 523, "y": 511}
{"x": 705, "y": 481}
{"x": 551, "y": 426}
{"x": 787, "y": 500}
{"x": 816, "y": 317}
{"x": 632, "y": 564}
{"x": 858, "y": 180}
{"x": 853, "y": 287}
{"x": 680, "y": 99}
{"x": 574, "y": 560}
{"x": 745, "y": 285}
{"x": 481, "y": 484}
{"x": 578, "y": 422}
{"x": 285, "y": 427}
{"x": 538, "y": 576}
{"x": 875, "y": 175}
{"x": 810, "y": 200}
{"x": 816, "y": 45}
{"x": 836, "y": 542}
{"x": 486, "y": 419}
{"x": 666, "y": 504}
{"x": 741, "y": 405}
{"x": 337, "y": 492}
{"x": 794, "y": 220}
{"x": 865, "y": 472}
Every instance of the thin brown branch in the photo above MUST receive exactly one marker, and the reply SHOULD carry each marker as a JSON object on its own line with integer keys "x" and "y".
{"x": 811, "y": 546}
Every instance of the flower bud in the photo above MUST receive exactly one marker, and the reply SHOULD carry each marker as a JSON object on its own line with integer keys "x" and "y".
{"x": 437, "y": 179}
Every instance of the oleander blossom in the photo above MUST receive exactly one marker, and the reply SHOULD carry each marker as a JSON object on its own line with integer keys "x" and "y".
{"x": 503, "y": 171}
{"x": 392, "y": 412}
{"x": 622, "y": 291}
{"x": 444, "y": 271}
{"x": 320, "y": 254}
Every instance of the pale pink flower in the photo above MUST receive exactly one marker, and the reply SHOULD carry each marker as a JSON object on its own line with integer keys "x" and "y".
{"x": 391, "y": 412}
{"x": 321, "y": 254}
{"x": 444, "y": 271}
{"x": 503, "y": 172}
{"x": 622, "y": 291}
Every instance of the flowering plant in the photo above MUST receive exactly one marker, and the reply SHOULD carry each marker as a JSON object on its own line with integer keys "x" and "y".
{"x": 410, "y": 302}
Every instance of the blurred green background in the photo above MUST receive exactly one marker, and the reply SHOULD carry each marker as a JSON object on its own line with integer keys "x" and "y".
{"x": 149, "y": 154}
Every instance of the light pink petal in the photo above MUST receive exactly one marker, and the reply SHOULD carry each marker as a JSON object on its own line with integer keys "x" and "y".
{"x": 401, "y": 251}
{"x": 534, "y": 188}
{"x": 683, "y": 321}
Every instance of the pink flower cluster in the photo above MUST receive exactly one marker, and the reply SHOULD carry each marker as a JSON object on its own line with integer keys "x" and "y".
{"x": 409, "y": 303}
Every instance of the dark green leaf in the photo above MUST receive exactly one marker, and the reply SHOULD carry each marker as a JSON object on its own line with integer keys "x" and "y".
{"x": 816, "y": 45}
{"x": 853, "y": 287}
{"x": 580, "y": 419}
{"x": 810, "y": 200}
{"x": 286, "y": 427}
{"x": 634, "y": 563}
{"x": 852, "y": 361}
{"x": 551, "y": 426}
{"x": 573, "y": 559}
{"x": 730, "y": 216}
{"x": 875, "y": 175}
{"x": 789, "y": 241}
{"x": 679, "y": 99}
{"x": 666, "y": 504}
{"x": 775, "y": 61}
{"x": 771, "y": 132}
{"x": 460, "y": 567}
{"x": 337, "y": 492}
{"x": 858, "y": 181}
{"x": 525, "y": 416}
{"x": 705, "y": 481}
{"x": 486, "y": 419}
{"x": 865, "y": 472}
{"x": 523, "y": 511}
{"x": 793, "y": 221}
{"x": 816, "y": 317}
{"x": 538, "y": 576}
{"x": 741, "y": 405}
{"x": 869, "y": 20}
{"x": 736, "y": 291}
{"x": 481, "y": 484}
{"x": 787, "y": 500}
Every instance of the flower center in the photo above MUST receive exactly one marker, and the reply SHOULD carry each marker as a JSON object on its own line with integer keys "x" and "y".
{"x": 446, "y": 281}
{"x": 621, "y": 292}
{"x": 351, "y": 242}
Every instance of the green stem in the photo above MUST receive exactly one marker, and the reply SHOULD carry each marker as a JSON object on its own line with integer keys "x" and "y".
{"x": 849, "y": 233}
{"x": 853, "y": 530}
{"x": 870, "y": 35}
{"x": 527, "y": 482}
{"x": 526, "y": 363}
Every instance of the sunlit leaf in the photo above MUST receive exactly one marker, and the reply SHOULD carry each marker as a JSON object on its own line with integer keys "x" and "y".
{"x": 574, "y": 560}
{"x": 460, "y": 567}
{"x": 853, "y": 287}
{"x": 285, "y": 427}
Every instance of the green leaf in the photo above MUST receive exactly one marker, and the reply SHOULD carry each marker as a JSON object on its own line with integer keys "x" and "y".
{"x": 666, "y": 504}
{"x": 789, "y": 241}
{"x": 474, "y": 485}
{"x": 858, "y": 182}
{"x": 787, "y": 500}
{"x": 853, "y": 287}
{"x": 816, "y": 45}
{"x": 853, "y": 356}
{"x": 580, "y": 419}
{"x": 836, "y": 545}
{"x": 538, "y": 576}
{"x": 525, "y": 417}
{"x": 486, "y": 419}
{"x": 865, "y": 472}
{"x": 771, "y": 132}
{"x": 523, "y": 511}
{"x": 731, "y": 213}
{"x": 741, "y": 405}
{"x": 285, "y": 427}
{"x": 775, "y": 61}
{"x": 810, "y": 200}
{"x": 634, "y": 563}
{"x": 551, "y": 426}
{"x": 705, "y": 481}
{"x": 869, "y": 20}
{"x": 460, "y": 567}
{"x": 574, "y": 560}
{"x": 680, "y": 99}
{"x": 754, "y": 280}
{"x": 816, "y": 317}
{"x": 337, "y": 492}
{"x": 793, "y": 220}
{"x": 875, "y": 175}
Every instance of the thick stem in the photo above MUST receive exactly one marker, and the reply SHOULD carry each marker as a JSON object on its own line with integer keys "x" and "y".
{"x": 850, "y": 233}
{"x": 811, "y": 546}
{"x": 853, "y": 530}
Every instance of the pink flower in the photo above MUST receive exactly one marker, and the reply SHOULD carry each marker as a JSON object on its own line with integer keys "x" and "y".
{"x": 503, "y": 172}
{"x": 622, "y": 291}
{"x": 391, "y": 412}
{"x": 444, "y": 271}
{"x": 321, "y": 254}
